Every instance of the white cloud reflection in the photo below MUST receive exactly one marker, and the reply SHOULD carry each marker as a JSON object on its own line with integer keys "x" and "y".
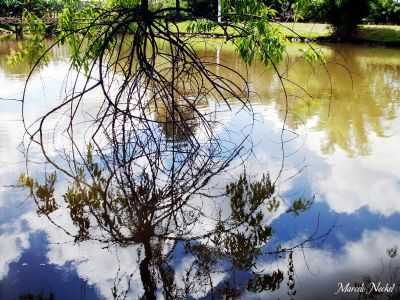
{"x": 350, "y": 183}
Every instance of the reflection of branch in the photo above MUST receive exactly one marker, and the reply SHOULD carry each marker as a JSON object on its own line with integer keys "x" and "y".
{"x": 313, "y": 237}
{"x": 151, "y": 147}
{"x": 10, "y": 99}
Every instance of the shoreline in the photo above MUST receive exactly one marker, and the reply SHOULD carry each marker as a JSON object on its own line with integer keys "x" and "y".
{"x": 383, "y": 35}
{"x": 377, "y": 35}
{"x": 355, "y": 41}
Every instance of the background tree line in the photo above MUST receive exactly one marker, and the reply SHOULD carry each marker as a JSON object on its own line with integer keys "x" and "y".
{"x": 373, "y": 11}
{"x": 324, "y": 11}
{"x": 15, "y": 8}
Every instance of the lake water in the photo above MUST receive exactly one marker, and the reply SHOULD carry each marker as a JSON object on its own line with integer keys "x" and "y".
{"x": 340, "y": 146}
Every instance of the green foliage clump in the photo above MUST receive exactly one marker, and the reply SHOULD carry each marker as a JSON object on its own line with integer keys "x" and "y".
{"x": 347, "y": 14}
{"x": 263, "y": 282}
{"x": 299, "y": 206}
{"x": 40, "y": 8}
{"x": 242, "y": 237}
{"x": 384, "y": 12}
{"x": 247, "y": 24}
{"x": 85, "y": 45}
{"x": 343, "y": 15}
{"x": 42, "y": 193}
{"x": 311, "y": 10}
{"x": 34, "y": 45}
{"x": 259, "y": 39}
{"x": 265, "y": 43}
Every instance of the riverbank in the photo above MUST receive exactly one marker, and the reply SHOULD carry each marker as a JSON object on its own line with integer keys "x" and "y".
{"x": 388, "y": 35}
{"x": 385, "y": 35}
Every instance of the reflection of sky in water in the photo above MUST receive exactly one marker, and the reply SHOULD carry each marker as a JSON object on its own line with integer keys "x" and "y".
{"x": 356, "y": 191}
{"x": 47, "y": 277}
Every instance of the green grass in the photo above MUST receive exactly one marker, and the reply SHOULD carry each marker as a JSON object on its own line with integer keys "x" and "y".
{"x": 305, "y": 30}
{"x": 379, "y": 33}
{"x": 385, "y": 34}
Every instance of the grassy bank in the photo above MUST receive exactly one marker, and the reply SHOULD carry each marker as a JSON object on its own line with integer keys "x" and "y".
{"x": 380, "y": 34}
{"x": 305, "y": 30}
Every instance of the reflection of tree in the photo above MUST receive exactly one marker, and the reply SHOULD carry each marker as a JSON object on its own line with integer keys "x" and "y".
{"x": 178, "y": 120}
{"x": 7, "y": 47}
{"x": 23, "y": 66}
{"x": 361, "y": 100}
{"x": 141, "y": 176}
{"x": 167, "y": 122}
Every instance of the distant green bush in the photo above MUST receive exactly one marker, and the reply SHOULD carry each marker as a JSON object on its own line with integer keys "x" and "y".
{"x": 15, "y": 8}
{"x": 310, "y": 10}
{"x": 345, "y": 15}
{"x": 345, "y": 12}
{"x": 384, "y": 12}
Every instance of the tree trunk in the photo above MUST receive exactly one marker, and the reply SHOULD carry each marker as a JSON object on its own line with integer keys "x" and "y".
{"x": 178, "y": 8}
{"x": 19, "y": 32}
{"x": 145, "y": 5}
{"x": 145, "y": 273}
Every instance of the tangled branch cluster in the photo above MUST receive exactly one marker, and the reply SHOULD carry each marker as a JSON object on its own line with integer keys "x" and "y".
{"x": 154, "y": 142}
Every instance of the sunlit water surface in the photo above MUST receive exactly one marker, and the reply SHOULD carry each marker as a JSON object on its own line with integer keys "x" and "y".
{"x": 340, "y": 145}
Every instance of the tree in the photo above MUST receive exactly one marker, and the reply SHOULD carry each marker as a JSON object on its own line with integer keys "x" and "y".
{"x": 140, "y": 174}
{"x": 384, "y": 11}
{"x": 343, "y": 15}
{"x": 15, "y": 8}
{"x": 311, "y": 11}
